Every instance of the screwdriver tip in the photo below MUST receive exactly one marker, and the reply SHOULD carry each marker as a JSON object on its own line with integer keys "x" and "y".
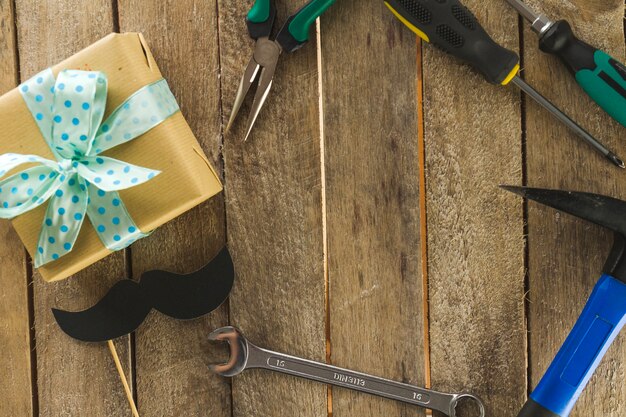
{"x": 616, "y": 160}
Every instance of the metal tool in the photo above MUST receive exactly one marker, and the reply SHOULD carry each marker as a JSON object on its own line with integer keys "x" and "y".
{"x": 293, "y": 35}
{"x": 245, "y": 355}
{"x": 600, "y": 75}
{"x": 602, "y": 318}
{"x": 453, "y": 28}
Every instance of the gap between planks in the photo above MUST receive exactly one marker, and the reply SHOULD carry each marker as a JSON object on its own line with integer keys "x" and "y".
{"x": 222, "y": 160}
{"x": 128, "y": 264}
{"x": 421, "y": 149}
{"x": 30, "y": 293}
{"x": 526, "y": 300}
{"x": 318, "y": 39}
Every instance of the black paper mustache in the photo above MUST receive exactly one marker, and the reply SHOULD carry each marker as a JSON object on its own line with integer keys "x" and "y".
{"x": 126, "y": 305}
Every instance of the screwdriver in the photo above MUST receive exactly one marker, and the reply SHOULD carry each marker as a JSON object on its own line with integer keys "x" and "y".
{"x": 450, "y": 26}
{"x": 600, "y": 75}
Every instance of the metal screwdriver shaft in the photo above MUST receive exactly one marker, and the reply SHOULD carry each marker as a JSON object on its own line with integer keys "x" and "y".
{"x": 545, "y": 103}
{"x": 540, "y": 23}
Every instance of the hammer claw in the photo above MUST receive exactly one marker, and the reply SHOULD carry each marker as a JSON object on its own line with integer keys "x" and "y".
{"x": 599, "y": 209}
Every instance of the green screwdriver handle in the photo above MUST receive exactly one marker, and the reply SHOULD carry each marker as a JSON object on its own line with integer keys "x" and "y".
{"x": 601, "y": 76}
{"x": 260, "y": 19}
{"x": 450, "y": 26}
{"x": 295, "y": 32}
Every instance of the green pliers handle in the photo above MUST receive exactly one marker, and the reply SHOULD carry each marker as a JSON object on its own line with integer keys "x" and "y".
{"x": 601, "y": 76}
{"x": 295, "y": 32}
{"x": 260, "y": 19}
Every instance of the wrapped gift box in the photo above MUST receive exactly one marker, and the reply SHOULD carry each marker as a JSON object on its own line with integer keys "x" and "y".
{"x": 186, "y": 179}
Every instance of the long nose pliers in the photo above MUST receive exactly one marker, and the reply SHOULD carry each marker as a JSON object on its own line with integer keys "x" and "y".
{"x": 292, "y": 36}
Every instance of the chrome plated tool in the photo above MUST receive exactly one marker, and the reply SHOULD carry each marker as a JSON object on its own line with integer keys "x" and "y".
{"x": 293, "y": 35}
{"x": 245, "y": 355}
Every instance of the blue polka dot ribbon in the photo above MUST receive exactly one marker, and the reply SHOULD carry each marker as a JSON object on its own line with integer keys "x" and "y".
{"x": 69, "y": 112}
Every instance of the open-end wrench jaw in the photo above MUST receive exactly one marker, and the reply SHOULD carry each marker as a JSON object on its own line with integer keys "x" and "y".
{"x": 601, "y": 210}
{"x": 238, "y": 351}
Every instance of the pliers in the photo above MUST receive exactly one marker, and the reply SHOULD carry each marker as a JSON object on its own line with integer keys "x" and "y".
{"x": 292, "y": 36}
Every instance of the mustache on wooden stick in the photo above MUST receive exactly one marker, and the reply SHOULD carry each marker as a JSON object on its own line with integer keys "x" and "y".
{"x": 127, "y": 303}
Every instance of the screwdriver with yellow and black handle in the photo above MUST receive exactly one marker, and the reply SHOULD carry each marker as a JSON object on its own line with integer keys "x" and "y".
{"x": 449, "y": 25}
{"x": 601, "y": 76}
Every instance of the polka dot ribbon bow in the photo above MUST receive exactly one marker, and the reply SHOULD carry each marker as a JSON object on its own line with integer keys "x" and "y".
{"x": 69, "y": 113}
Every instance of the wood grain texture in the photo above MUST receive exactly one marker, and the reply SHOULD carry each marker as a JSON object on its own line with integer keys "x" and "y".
{"x": 74, "y": 378}
{"x": 566, "y": 254}
{"x": 171, "y": 356}
{"x": 475, "y": 231}
{"x": 274, "y": 218}
{"x": 273, "y": 209}
{"x": 370, "y": 104}
{"x": 15, "y": 362}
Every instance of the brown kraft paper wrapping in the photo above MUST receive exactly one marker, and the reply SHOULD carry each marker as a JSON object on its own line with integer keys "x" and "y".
{"x": 186, "y": 178}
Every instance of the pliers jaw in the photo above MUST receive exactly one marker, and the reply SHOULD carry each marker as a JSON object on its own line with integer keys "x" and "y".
{"x": 261, "y": 67}
{"x": 293, "y": 35}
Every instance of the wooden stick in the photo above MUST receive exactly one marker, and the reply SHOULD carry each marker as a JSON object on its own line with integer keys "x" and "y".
{"x": 120, "y": 371}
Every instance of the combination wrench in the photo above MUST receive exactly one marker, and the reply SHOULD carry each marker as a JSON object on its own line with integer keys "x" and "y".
{"x": 245, "y": 355}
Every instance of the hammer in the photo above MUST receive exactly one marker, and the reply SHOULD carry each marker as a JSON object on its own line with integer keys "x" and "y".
{"x": 604, "y": 314}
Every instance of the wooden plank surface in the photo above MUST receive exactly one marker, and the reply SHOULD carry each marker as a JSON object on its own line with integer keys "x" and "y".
{"x": 322, "y": 215}
{"x": 171, "y": 356}
{"x": 372, "y": 207}
{"x": 274, "y": 220}
{"x": 73, "y": 378}
{"x": 475, "y": 232}
{"x": 566, "y": 255}
{"x": 15, "y": 335}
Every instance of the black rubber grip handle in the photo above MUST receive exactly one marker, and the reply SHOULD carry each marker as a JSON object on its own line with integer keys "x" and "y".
{"x": 449, "y": 25}
{"x": 559, "y": 40}
{"x": 534, "y": 409}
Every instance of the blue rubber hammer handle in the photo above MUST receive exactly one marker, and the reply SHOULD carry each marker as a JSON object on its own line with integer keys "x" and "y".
{"x": 600, "y": 322}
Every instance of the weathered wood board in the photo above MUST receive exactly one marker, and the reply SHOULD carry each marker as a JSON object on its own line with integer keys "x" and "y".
{"x": 171, "y": 356}
{"x": 473, "y": 143}
{"x": 274, "y": 220}
{"x": 375, "y": 312}
{"x": 566, "y": 254}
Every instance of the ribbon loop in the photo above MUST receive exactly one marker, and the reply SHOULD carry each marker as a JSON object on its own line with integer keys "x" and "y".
{"x": 139, "y": 113}
{"x": 77, "y": 110}
{"x": 69, "y": 112}
{"x": 27, "y": 190}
